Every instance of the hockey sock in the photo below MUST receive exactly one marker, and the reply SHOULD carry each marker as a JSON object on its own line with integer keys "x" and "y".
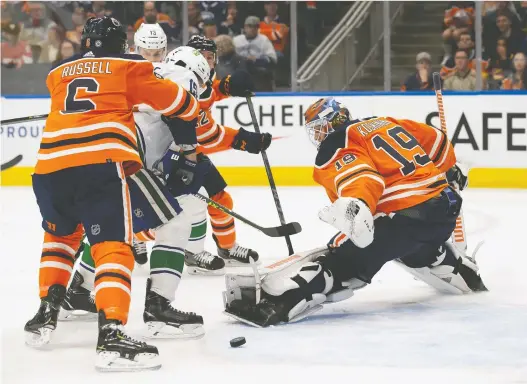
{"x": 168, "y": 255}
{"x": 114, "y": 262}
{"x": 87, "y": 268}
{"x": 58, "y": 257}
{"x": 222, "y": 223}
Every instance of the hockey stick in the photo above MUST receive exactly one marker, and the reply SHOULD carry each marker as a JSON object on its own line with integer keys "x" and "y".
{"x": 22, "y": 119}
{"x": 270, "y": 175}
{"x": 280, "y": 231}
{"x": 459, "y": 236}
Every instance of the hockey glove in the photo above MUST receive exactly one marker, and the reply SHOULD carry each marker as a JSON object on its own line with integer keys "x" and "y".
{"x": 457, "y": 177}
{"x": 251, "y": 142}
{"x": 183, "y": 176}
{"x": 352, "y": 217}
{"x": 239, "y": 83}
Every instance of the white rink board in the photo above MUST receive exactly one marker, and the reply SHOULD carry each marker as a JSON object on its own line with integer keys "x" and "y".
{"x": 489, "y": 131}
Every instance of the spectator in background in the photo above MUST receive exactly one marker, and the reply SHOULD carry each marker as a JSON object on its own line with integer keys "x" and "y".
{"x": 15, "y": 52}
{"x": 463, "y": 78}
{"x": 513, "y": 36}
{"x": 152, "y": 16}
{"x": 465, "y": 42}
{"x": 228, "y": 60}
{"x": 210, "y": 29}
{"x": 458, "y": 19}
{"x": 50, "y": 48}
{"x": 99, "y": 9}
{"x": 66, "y": 50}
{"x": 501, "y": 66}
{"x": 233, "y": 25}
{"x": 194, "y": 18}
{"x": 78, "y": 18}
{"x": 274, "y": 29}
{"x": 422, "y": 79}
{"x": 518, "y": 79}
{"x": 35, "y": 29}
{"x": 259, "y": 53}
{"x": 217, "y": 8}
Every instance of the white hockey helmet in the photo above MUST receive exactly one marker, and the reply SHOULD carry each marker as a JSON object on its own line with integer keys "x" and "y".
{"x": 193, "y": 60}
{"x": 151, "y": 37}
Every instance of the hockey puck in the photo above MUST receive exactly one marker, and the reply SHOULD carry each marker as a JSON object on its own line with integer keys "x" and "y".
{"x": 237, "y": 342}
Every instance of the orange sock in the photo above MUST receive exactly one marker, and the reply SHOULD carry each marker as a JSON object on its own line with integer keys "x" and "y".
{"x": 114, "y": 263}
{"x": 58, "y": 257}
{"x": 223, "y": 224}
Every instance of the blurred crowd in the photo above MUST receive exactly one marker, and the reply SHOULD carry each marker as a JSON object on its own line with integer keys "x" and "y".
{"x": 251, "y": 35}
{"x": 504, "y": 41}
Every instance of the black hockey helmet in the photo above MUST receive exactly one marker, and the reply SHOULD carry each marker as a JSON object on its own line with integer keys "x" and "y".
{"x": 88, "y": 27}
{"x": 201, "y": 43}
{"x": 104, "y": 35}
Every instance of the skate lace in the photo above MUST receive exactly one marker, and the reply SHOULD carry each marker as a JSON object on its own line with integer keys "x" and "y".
{"x": 239, "y": 252}
{"x": 180, "y": 312}
{"x": 139, "y": 246}
{"x": 121, "y": 334}
{"x": 204, "y": 257}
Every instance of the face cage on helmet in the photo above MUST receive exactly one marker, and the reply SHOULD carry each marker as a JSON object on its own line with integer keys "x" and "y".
{"x": 317, "y": 131}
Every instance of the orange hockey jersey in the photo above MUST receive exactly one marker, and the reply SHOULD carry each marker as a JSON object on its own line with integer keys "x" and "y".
{"x": 91, "y": 119}
{"x": 212, "y": 137}
{"x": 390, "y": 164}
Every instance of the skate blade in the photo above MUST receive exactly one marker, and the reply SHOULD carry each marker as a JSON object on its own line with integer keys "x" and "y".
{"x": 76, "y": 315}
{"x": 205, "y": 272}
{"x": 38, "y": 340}
{"x": 241, "y": 319}
{"x": 160, "y": 330}
{"x": 230, "y": 263}
{"x": 113, "y": 362}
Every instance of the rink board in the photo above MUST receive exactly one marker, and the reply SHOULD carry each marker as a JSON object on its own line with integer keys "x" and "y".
{"x": 489, "y": 131}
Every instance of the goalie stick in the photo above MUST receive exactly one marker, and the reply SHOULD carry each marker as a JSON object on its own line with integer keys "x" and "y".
{"x": 280, "y": 231}
{"x": 459, "y": 237}
{"x": 270, "y": 175}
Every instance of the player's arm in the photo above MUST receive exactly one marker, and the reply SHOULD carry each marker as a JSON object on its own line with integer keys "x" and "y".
{"x": 351, "y": 178}
{"x": 238, "y": 83}
{"x": 177, "y": 105}
{"x": 433, "y": 141}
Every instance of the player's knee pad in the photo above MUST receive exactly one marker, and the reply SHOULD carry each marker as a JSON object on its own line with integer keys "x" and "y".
{"x": 192, "y": 206}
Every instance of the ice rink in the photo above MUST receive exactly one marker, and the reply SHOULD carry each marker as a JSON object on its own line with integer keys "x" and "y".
{"x": 397, "y": 330}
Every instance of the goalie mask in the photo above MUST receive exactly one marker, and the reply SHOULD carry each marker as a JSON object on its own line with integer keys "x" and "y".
{"x": 322, "y": 117}
{"x": 192, "y": 60}
{"x": 151, "y": 42}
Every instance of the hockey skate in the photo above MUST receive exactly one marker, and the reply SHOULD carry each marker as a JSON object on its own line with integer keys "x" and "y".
{"x": 118, "y": 352}
{"x": 165, "y": 322}
{"x": 204, "y": 263}
{"x": 79, "y": 303}
{"x": 238, "y": 256}
{"x": 140, "y": 252}
{"x": 40, "y": 328}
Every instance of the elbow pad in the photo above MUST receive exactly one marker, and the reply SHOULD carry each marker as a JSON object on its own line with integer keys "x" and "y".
{"x": 183, "y": 132}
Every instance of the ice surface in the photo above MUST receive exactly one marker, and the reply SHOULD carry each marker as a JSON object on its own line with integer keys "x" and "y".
{"x": 397, "y": 330}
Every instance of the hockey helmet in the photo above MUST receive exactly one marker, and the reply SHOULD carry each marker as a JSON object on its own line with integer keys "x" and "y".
{"x": 105, "y": 35}
{"x": 322, "y": 117}
{"x": 191, "y": 59}
{"x": 152, "y": 38}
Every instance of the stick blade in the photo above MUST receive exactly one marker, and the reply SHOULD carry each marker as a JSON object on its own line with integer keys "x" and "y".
{"x": 437, "y": 81}
{"x": 283, "y": 230}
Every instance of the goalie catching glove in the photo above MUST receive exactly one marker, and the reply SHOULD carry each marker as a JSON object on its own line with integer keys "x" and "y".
{"x": 457, "y": 176}
{"x": 251, "y": 142}
{"x": 352, "y": 217}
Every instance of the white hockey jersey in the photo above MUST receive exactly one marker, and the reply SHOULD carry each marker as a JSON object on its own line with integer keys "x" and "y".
{"x": 153, "y": 134}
